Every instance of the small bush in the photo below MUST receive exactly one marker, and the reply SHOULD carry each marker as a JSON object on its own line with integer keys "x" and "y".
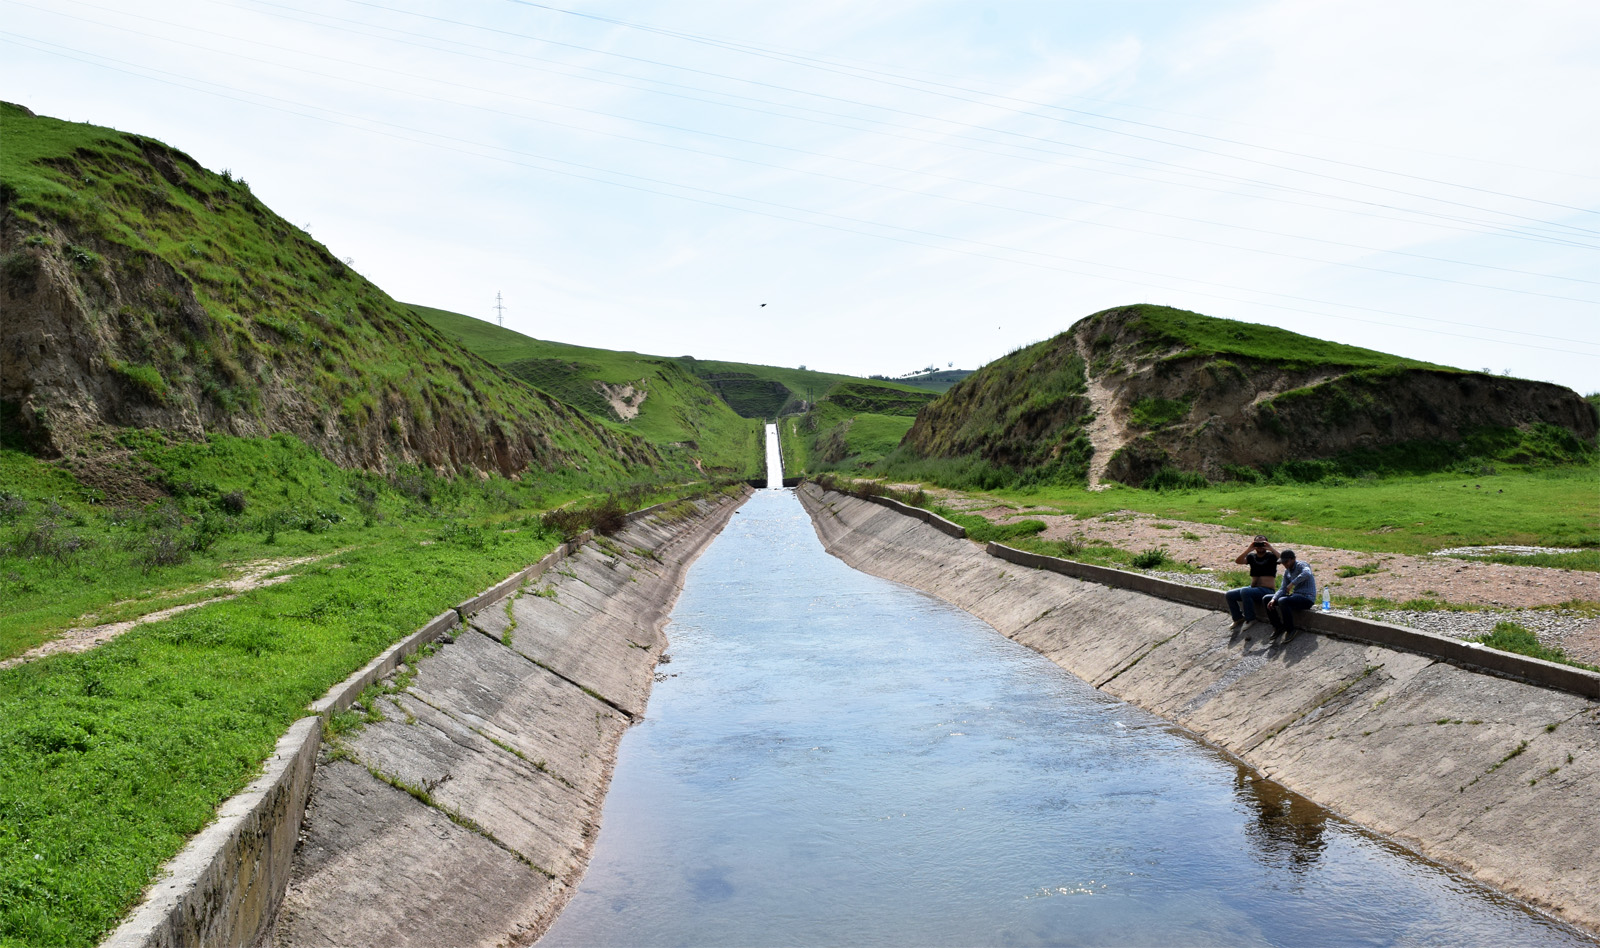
{"x": 1150, "y": 559}
{"x": 162, "y": 548}
{"x": 12, "y": 507}
{"x": 232, "y": 503}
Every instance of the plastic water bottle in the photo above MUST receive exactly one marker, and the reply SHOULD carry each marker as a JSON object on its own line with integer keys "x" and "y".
{"x": 1326, "y": 605}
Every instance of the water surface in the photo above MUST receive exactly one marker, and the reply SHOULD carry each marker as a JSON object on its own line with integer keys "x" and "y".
{"x": 836, "y": 759}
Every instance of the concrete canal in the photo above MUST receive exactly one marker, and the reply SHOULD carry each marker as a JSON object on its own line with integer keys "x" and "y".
{"x": 831, "y": 758}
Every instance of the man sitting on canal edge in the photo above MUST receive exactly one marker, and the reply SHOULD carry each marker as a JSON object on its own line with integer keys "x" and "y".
{"x": 1298, "y": 592}
{"x": 1263, "y": 562}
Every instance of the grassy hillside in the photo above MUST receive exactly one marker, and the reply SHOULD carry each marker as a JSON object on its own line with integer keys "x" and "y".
{"x": 1155, "y": 396}
{"x": 141, "y": 290}
{"x": 678, "y": 414}
{"x": 852, "y": 429}
{"x": 762, "y": 385}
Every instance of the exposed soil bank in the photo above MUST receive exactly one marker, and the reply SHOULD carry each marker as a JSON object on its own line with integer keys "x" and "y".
{"x": 466, "y": 815}
{"x": 1496, "y": 777}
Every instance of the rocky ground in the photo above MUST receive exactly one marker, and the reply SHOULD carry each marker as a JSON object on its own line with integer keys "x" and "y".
{"x": 1558, "y": 605}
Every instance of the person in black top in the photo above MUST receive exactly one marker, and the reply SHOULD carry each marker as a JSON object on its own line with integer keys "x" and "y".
{"x": 1263, "y": 562}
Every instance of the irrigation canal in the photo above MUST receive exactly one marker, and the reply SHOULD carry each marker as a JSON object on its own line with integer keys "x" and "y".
{"x": 835, "y": 759}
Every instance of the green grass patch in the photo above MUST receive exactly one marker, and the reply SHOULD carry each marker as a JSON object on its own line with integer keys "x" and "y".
{"x": 1512, "y": 637}
{"x": 1157, "y": 412}
{"x": 114, "y": 757}
{"x": 1533, "y": 506}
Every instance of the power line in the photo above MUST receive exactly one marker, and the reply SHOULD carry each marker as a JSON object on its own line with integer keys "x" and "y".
{"x": 879, "y": 185}
{"x": 1432, "y": 218}
{"x": 857, "y": 71}
{"x": 368, "y": 3}
{"x": 815, "y": 223}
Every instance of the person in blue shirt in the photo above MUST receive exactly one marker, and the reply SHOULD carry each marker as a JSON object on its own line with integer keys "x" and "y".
{"x": 1298, "y": 591}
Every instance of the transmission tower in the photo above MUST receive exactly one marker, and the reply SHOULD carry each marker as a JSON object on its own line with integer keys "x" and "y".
{"x": 499, "y": 308}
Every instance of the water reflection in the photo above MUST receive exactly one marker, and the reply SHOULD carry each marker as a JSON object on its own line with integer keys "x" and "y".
{"x": 1288, "y": 828}
{"x": 840, "y": 760}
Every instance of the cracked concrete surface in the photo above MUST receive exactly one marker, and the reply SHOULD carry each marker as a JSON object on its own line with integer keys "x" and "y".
{"x": 466, "y": 815}
{"x": 1494, "y": 777}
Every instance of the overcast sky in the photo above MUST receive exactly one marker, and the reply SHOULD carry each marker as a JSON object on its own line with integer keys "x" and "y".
{"x": 903, "y": 183}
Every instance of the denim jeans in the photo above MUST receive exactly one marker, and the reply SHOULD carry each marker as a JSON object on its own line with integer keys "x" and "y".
{"x": 1246, "y": 596}
{"x": 1282, "y": 618}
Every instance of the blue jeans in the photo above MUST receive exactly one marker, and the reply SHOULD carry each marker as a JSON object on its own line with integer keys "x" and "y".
{"x": 1282, "y": 618}
{"x": 1246, "y": 596}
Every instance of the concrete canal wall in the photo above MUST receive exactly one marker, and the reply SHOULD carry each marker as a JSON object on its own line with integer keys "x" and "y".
{"x": 462, "y": 811}
{"x": 1496, "y": 776}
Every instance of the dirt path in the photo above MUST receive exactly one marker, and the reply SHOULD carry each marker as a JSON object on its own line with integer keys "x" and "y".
{"x": 255, "y": 574}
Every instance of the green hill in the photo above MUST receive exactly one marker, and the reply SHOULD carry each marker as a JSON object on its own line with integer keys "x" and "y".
{"x": 707, "y": 408}
{"x": 1150, "y": 395}
{"x": 143, "y": 291}
{"x": 649, "y": 396}
{"x": 853, "y": 428}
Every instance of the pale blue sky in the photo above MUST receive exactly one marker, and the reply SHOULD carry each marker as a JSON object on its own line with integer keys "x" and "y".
{"x": 903, "y": 183}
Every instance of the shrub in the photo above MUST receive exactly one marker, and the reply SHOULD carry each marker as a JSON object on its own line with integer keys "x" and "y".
{"x": 162, "y": 548}
{"x": 1167, "y": 477}
{"x": 232, "y": 503}
{"x": 1150, "y": 559}
{"x": 12, "y": 507}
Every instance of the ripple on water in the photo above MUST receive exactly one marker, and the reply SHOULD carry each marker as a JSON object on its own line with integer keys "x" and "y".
{"x": 841, "y": 760}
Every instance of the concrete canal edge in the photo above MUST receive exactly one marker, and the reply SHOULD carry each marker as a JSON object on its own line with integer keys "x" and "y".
{"x": 1486, "y": 762}
{"x": 226, "y": 885}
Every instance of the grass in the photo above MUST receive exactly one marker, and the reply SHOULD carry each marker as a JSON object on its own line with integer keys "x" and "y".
{"x": 215, "y": 307}
{"x": 1511, "y": 637}
{"x": 114, "y": 757}
{"x": 1197, "y": 335}
{"x": 680, "y": 414}
{"x": 1536, "y": 506}
{"x": 70, "y": 555}
{"x": 707, "y": 410}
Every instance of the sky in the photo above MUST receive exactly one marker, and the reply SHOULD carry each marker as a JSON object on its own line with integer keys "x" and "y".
{"x": 902, "y": 183}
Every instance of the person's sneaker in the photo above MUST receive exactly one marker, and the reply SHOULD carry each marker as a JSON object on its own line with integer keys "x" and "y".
{"x": 1238, "y": 626}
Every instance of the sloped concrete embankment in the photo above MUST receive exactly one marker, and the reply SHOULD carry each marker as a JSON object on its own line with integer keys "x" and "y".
{"x": 465, "y": 816}
{"x": 1491, "y": 775}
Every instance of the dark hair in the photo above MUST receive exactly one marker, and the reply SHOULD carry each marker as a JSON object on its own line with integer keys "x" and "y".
{"x": 1286, "y": 555}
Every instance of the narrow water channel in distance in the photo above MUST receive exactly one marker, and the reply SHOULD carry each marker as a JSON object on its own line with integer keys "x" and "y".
{"x": 834, "y": 759}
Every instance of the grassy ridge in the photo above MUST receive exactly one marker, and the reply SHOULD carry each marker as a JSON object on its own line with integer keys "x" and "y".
{"x": 193, "y": 300}
{"x": 1195, "y": 334}
{"x": 679, "y": 414}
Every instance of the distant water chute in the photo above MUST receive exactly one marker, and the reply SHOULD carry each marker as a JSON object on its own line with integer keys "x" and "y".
{"x": 774, "y": 459}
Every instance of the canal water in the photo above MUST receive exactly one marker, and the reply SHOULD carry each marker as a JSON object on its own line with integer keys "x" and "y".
{"x": 835, "y": 759}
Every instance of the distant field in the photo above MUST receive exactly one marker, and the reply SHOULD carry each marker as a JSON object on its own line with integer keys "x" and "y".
{"x": 1552, "y": 506}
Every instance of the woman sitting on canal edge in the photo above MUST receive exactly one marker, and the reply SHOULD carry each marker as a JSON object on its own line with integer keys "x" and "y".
{"x": 1263, "y": 562}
